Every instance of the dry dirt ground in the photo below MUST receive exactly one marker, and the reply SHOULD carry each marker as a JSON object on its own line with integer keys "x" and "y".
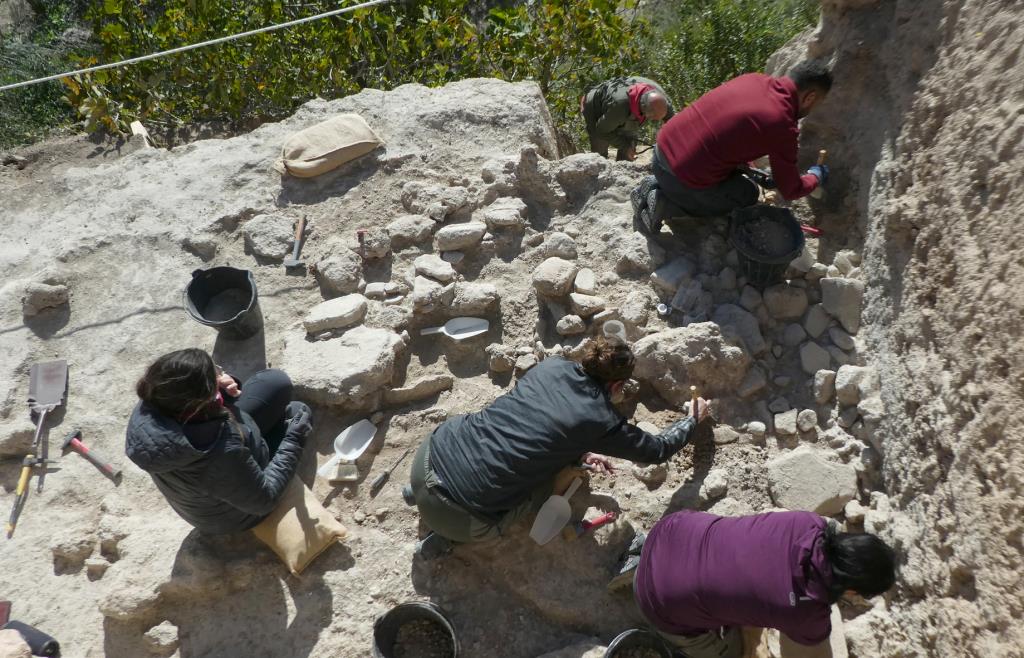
{"x": 926, "y": 122}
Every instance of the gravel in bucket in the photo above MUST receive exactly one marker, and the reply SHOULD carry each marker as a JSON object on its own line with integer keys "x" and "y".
{"x": 637, "y": 652}
{"x": 423, "y": 638}
{"x": 766, "y": 236}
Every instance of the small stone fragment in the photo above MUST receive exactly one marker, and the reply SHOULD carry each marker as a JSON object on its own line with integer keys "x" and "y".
{"x": 95, "y": 567}
{"x": 433, "y": 266}
{"x": 501, "y": 358}
{"x": 715, "y": 484}
{"x": 817, "y": 321}
{"x": 376, "y": 243}
{"x": 408, "y": 230}
{"x": 524, "y": 363}
{"x": 570, "y": 325}
{"x": 559, "y": 245}
{"x": 336, "y": 313}
{"x": 854, "y": 383}
{"x": 585, "y": 305}
{"x": 638, "y": 255}
{"x": 376, "y": 290}
{"x": 785, "y": 301}
{"x": 806, "y": 420}
{"x": 473, "y": 298}
{"x": 650, "y": 474}
{"x": 162, "y": 640}
{"x": 456, "y": 237}
{"x": 586, "y": 282}
{"x": 637, "y": 307}
{"x": 824, "y": 385}
{"x": 37, "y": 296}
{"x": 554, "y": 277}
{"x": 847, "y": 417}
{"x": 757, "y": 429}
{"x": 842, "y": 298}
{"x": 340, "y": 272}
{"x": 785, "y": 423}
{"x": 854, "y": 512}
{"x": 778, "y": 405}
{"x": 504, "y": 212}
{"x": 269, "y": 236}
{"x": 724, "y": 434}
{"x": 845, "y": 261}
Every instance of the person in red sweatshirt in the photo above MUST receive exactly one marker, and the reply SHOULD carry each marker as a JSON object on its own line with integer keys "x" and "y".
{"x": 701, "y": 159}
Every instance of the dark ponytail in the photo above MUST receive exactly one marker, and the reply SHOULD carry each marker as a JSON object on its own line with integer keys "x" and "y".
{"x": 179, "y": 383}
{"x": 861, "y": 562}
{"x": 608, "y": 360}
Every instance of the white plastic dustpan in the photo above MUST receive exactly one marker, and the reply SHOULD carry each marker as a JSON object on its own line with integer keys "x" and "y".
{"x": 553, "y": 516}
{"x": 459, "y": 328}
{"x": 349, "y": 445}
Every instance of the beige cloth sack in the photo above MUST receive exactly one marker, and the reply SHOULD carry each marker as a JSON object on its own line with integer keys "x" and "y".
{"x": 299, "y": 528}
{"x": 326, "y": 146}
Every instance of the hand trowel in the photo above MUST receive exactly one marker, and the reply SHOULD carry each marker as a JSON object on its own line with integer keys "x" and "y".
{"x": 553, "y": 516}
{"x": 348, "y": 446}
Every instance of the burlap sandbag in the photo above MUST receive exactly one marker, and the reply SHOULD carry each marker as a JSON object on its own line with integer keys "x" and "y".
{"x": 326, "y": 146}
{"x": 299, "y": 528}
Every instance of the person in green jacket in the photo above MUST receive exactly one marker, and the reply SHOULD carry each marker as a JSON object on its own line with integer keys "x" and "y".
{"x": 615, "y": 109}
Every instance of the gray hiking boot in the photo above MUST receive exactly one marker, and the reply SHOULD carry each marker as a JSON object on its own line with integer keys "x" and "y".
{"x": 433, "y": 546}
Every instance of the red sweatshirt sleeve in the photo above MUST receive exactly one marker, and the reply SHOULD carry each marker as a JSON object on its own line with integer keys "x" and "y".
{"x": 784, "y": 170}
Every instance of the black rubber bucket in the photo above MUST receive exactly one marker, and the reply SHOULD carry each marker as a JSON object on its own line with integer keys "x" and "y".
{"x": 385, "y": 629}
{"x": 225, "y": 298}
{"x": 637, "y": 638}
{"x": 767, "y": 239}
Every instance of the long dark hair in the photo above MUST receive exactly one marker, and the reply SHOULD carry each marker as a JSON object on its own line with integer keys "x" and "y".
{"x": 861, "y": 562}
{"x": 179, "y": 383}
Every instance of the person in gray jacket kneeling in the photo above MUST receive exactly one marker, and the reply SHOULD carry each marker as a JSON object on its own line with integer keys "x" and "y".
{"x": 477, "y": 474}
{"x": 221, "y": 453}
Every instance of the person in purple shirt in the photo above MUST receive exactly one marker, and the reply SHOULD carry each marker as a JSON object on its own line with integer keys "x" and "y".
{"x": 698, "y": 577}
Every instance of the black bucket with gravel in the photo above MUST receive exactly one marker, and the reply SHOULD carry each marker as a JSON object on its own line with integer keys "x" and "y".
{"x": 415, "y": 630}
{"x": 225, "y": 298}
{"x": 766, "y": 239}
{"x": 638, "y": 643}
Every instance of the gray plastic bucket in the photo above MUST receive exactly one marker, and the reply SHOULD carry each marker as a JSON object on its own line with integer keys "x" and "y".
{"x": 763, "y": 269}
{"x": 225, "y": 298}
{"x": 385, "y": 629}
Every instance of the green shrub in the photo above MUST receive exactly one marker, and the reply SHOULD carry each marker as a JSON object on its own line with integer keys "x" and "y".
{"x": 564, "y": 45}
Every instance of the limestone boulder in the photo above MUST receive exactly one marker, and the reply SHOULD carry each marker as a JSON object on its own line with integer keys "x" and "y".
{"x": 434, "y": 267}
{"x": 340, "y": 272}
{"x": 421, "y": 389}
{"x": 744, "y": 324}
{"x": 435, "y": 201}
{"x": 336, "y": 313}
{"x": 824, "y": 385}
{"x": 559, "y": 244}
{"x": 585, "y": 305}
{"x": 473, "y": 298}
{"x": 785, "y": 423}
{"x": 855, "y": 383}
{"x": 816, "y": 320}
{"x": 503, "y": 212}
{"x": 269, "y": 236}
{"x": 843, "y": 298}
{"x": 638, "y": 255}
{"x": 806, "y": 479}
{"x": 672, "y": 274}
{"x": 38, "y": 296}
{"x": 586, "y": 282}
{"x": 408, "y": 230}
{"x": 814, "y": 357}
{"x": 697, "y": 354}
{"x": 348, "y": 370}
{"x": 570, "y": 325}
{"x": 554, "y": 277}
{"x": 785, "y": 302}
{"x": 455, "y": 237}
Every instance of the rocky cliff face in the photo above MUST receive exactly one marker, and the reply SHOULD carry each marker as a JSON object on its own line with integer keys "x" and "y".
{"x": 925, "y": 126}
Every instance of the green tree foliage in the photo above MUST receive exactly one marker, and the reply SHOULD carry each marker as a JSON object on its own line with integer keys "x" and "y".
{"x": 565, "y": 45}
{"x": 30, "y": 113}
{"x": 707, "y": 42}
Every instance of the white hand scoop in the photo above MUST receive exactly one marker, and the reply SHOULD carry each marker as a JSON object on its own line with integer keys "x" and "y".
{"x": 459, "y": 328}
{"x": 553, "y": 516}
{"x": 349, "y": 445}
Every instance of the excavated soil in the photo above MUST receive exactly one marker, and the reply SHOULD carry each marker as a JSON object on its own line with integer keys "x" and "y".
{"x": 422, "y": 639}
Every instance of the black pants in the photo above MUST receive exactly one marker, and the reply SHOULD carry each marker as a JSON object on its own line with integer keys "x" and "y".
{"x": 265, "y": 397}
{"x": 736, "y": 191}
